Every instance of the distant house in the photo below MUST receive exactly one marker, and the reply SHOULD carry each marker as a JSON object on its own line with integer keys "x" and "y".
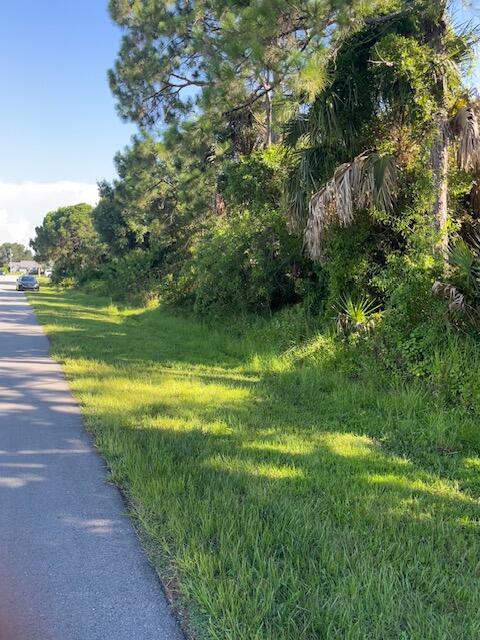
{"x": 26, "y": 266}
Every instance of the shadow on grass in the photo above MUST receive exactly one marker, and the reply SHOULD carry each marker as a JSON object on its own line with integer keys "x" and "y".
{"x": 146, "y": 335}
{"x": 277, "y": 497}
{"x": 292, "y": 537}
{"x": 155, "y": 343}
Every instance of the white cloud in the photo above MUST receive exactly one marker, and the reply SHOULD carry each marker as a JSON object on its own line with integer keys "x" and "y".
{"x": 23, "y": 205}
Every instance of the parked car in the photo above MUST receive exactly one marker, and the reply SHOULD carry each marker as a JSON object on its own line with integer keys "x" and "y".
{"x": 27, "y": 283}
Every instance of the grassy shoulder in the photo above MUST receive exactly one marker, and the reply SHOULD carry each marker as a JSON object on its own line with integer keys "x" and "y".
{"x": 283, "y": 496}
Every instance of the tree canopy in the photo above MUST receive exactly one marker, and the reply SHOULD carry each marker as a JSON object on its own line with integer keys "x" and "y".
{"x": 15, "y": 252}
{"x": 282, "y": 118}
{"x": 231, "y": 58}
{"x": 68, "y": 239}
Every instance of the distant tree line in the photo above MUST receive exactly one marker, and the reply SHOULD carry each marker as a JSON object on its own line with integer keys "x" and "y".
{"x": 13, "y": 252}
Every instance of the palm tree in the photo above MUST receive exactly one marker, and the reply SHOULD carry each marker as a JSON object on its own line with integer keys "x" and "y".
{"x": 369, "y": 180}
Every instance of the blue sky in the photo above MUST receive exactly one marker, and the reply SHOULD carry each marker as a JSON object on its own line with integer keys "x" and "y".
{"x": 59, "y": 129}
{"x": 57, "y": 115}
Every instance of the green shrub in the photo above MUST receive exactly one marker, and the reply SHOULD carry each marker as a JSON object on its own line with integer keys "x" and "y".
{"x": 246, "y": 262}
{"x": 455, "y": 371}
{"x": 134, "y": 278}
{"x": 355, "y": 257}
{"x": 255, "y": 180}
{"x": 66, "y": 283}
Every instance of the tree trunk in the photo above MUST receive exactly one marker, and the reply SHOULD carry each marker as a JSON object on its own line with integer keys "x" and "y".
{"x": 440, "y": 146}
{"x": 440, "y": 172}
{"x": 268, "y": 118}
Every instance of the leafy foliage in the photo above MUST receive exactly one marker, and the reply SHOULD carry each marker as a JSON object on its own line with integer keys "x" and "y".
{"x": 13, "y": 251}
{"x": 67, "y": 238}
{"x": 462, "y": 293}
{"x": 246, "y": 262}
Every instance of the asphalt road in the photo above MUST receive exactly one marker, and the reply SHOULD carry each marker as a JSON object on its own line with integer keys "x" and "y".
{"x": 71, "y": 566}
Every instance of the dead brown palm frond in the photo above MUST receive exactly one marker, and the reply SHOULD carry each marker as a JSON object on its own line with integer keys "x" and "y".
{"x": 475, "y": 198}
{"x": 465, "y": 127}
{"x": 454, "y": 297}
{"x": 369, "y": 180}
{"x": 457, "y": 303}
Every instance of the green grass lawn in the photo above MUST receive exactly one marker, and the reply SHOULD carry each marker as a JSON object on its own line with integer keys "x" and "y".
{"x": 282, "y": 497}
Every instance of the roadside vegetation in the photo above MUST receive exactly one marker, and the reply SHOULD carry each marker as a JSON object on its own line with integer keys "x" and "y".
{"x": 286, "y": 492}
{"x": 271, "y": 317}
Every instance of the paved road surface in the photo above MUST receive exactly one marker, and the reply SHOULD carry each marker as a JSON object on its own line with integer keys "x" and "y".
{"x": 71, "y": 567}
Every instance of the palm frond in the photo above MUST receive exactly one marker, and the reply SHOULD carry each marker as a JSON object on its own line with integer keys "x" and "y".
{"x": 355, "y": 315}
{"x": 368, "y": 181}
{"x": 461, "y": 256}
{"x": 473, "y": 241}
{"x": 295, "y": 198}
{"x": 295, "y": 129}
{"x": 457, "y": 303}
{"x": 464, "y": 259}
{"x": 466, "y": 128}
{"x": 384, "y": 174}
{"x": 323, "y": 119}
{"x": 454, "y": 297}
{"x": 302, "y": 180}
{"x": 475, "y": 197}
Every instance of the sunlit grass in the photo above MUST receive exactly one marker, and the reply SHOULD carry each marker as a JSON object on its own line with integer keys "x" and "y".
{"x": 282, "y": 499}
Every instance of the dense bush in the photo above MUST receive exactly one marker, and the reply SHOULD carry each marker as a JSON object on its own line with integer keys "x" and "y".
{"x": 246, "y": 262}
{"x": 255, "y": 180}
{"x": 133, "y": 278}
{"x": 353, "y": 259}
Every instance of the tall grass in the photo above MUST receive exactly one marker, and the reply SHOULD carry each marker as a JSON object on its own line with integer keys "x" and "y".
{"x": 285, "y": 492}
